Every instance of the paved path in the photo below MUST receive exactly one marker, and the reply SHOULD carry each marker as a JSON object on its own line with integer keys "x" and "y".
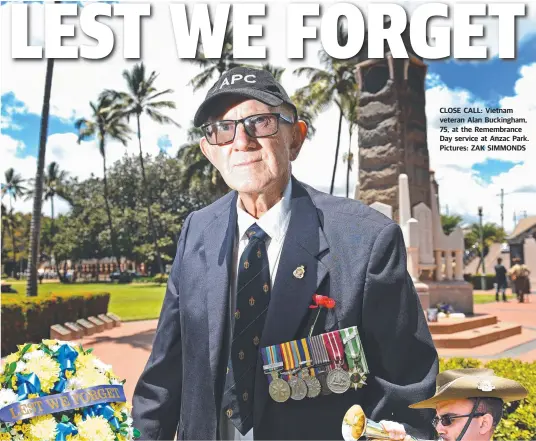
{"x": 128, "y": 347}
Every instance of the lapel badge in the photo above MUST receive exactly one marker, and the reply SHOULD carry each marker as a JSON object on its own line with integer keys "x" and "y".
{"x": 299, "y": 272}
{"x": 485, "y": 386}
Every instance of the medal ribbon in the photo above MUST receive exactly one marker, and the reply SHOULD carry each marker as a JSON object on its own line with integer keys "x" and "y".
{"x": 271, "y": 357}
{"x": 334, "y": 351}
{"x": 354, "y": 346}
{"x": 351, "y": 348}
{"x": 304, "y": 345}
{"x": 320, "y": 353}
{"x": 288, "y": 359}
{"x": 295, "y": 353}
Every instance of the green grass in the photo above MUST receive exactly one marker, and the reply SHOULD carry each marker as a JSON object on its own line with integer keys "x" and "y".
{"x": 130, "y": 302}
{"x": 490, "y": 298}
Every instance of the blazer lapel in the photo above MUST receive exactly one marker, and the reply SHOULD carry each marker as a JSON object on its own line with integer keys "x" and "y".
{"x": 305, "y": 245}
{"x": 218, "y": 246}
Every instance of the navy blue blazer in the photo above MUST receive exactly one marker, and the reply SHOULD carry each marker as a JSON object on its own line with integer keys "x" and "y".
{"x": 352, "y": 253}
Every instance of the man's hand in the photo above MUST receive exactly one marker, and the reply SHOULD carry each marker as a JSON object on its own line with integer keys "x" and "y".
{"x": 396, "y": 430}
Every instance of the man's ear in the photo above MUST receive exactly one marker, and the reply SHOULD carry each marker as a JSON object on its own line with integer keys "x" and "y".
{"x": 486, "y": 424}
{"x": 299, "y": 135}
{"x": 205, "y": 148}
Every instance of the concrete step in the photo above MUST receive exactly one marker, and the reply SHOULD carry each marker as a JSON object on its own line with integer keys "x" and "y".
{"x": 451, "y": 326}
{"x": 476, "y": 337}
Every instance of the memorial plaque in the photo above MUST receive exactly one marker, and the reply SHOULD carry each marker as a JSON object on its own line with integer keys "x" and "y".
{"x": 58, "y": 332}
{"x": 115, "y": 318}
{"x": 77, "y": 331}
{"x": 99, "y": 324}
{"x": 88, "y": 327}
{"x": 108, "y": 322}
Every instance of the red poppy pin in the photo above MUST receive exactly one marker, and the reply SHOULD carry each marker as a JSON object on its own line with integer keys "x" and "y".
{"x": 319, "y": 303}
{"x": 322, "y": 302}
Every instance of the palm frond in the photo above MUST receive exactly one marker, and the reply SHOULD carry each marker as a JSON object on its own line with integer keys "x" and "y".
{"x": 160, "y": 118}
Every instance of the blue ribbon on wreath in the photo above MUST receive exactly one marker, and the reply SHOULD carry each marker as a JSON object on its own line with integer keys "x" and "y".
{"x": 66, "y": 356}
{"x": 28, "y": 384}
{"x": 65, "y": 429}
{"x": 104, "y": 410}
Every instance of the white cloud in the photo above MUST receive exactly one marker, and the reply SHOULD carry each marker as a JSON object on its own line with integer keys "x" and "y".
{"x": 461, "y": 188}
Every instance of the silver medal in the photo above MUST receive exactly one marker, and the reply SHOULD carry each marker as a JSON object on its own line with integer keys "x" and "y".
{"x": 313, "y": 386}
{"x": 298, "y": 388}
{"x": 338, "y": 381}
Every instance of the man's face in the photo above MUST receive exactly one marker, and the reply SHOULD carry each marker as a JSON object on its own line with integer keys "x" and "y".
{"x": 460, "y": 407}
{"x": 254, "y": 165}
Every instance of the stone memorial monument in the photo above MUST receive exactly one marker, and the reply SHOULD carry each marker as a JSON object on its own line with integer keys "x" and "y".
{"x": 395, "y": 176}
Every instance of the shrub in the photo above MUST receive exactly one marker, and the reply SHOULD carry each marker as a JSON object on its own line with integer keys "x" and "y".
{"x": 519, "y": 420}
{"x": 476, "y": 280}
{"x": 28, "y": 319}
{"x": 160, "y": 278}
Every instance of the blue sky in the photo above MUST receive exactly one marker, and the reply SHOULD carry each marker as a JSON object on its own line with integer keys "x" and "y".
{"x": 489, "y": 80}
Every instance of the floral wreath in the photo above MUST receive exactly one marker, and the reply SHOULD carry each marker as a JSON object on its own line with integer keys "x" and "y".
{"x": 57, "y": 391}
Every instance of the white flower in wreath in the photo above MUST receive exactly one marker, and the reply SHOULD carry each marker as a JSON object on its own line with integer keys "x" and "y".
{"x": 73, "y": 384}
{"x": 101, "y": 366}
{"x": 7, "y": 397}
{"x": 20, "y": 366}
{"x": 32, "y": 355}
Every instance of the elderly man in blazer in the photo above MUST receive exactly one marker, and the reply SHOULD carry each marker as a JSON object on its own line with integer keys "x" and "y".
{"x": 244, "y": 275}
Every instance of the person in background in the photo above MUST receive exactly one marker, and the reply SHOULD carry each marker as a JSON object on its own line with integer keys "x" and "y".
{"x": 500, "y": 278}
{"x": 519, "y": 274}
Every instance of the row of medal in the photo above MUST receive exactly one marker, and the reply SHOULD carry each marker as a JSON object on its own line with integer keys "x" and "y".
{"x": 318, "y": 365}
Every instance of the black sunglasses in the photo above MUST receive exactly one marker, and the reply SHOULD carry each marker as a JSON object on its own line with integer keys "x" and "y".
{"x": 256, "y": 126}
{"x": 446, "y": 420}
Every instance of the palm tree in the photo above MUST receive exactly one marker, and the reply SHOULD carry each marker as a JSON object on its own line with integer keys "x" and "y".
{"x": 54, "y": 185}
{"x": 350, "y": 108}
{"x": 277, "y": 72}
{"x": 31, "y": 288}
{"x": 142, "y": 98}
{"x": 5, "y": 227}
{"x": 13, "y": 185}
{"x": 13, "y": 188}
{"x": 214, "y": 66}
{"x": 491, "y": 233}
{"x": 450, "y": 222}
{"x": 105, "y": 123}
{"x": 197, "y": 168}
{"x": 328, "y": 86}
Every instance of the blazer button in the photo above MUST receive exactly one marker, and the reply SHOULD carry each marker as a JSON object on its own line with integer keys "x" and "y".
{"x": 229, "y": 413}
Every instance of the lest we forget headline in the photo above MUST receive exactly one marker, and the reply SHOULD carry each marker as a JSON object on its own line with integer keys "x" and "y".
{"x": 436, "y": 30}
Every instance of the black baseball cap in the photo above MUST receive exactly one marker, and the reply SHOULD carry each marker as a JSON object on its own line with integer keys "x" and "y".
{"x": 246, "y": 82}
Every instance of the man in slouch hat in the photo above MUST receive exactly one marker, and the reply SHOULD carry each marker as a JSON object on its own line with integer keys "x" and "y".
{"x": 469, "y": 403}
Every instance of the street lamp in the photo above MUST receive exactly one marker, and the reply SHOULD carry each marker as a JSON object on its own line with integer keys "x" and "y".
{"x": 483, "y": 280}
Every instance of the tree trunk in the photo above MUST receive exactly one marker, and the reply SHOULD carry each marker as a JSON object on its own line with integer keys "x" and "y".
{"x": 113, "y": 238}
{"x": 336, "y": 153}
{"x": 348, "y": 165}
{"x": 31, "y": 287}
{"x": 13, "y": 242}
{"x": 52, "y": 234}
{"x": 147, "y": 189}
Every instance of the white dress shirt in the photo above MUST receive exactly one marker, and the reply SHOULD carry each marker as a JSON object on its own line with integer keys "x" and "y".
{"x": 275, "y": 223}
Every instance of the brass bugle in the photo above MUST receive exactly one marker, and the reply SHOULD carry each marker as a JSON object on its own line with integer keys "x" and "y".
{"x": 359, "y": 425}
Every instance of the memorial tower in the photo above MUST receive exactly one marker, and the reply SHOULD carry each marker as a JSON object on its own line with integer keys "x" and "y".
{"x": 392, "y": 128}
